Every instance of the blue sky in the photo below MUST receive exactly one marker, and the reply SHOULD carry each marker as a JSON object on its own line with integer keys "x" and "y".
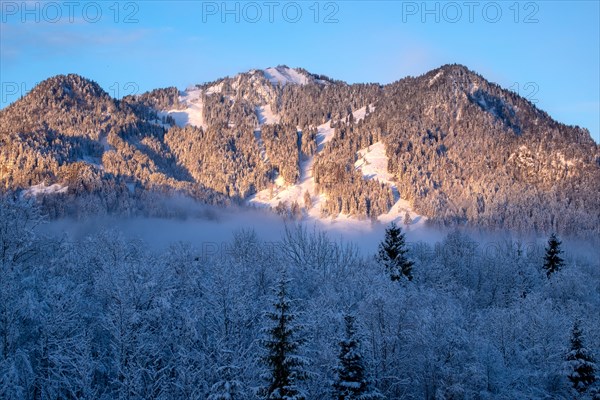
{"x": 548, "y": 51}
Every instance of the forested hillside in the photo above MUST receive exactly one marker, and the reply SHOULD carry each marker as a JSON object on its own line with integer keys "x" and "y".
{"x": 459, "y": 149}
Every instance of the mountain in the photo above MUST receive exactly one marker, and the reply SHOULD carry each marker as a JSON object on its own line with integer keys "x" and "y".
{"x": 447, "y": 146}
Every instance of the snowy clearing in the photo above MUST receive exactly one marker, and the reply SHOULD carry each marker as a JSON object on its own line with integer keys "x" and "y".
{"x": 37, "y": 190}
{"x": 373, "y": 164}
{"x": 266, "y": 115}
{"x": 284, "y": 75}
{"x": 435, "y": 78}
{"x": 193, "y": 114}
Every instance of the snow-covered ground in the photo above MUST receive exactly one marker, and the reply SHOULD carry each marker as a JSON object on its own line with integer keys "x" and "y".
{"x": 325, "y": 133}
{"x": 215, "y": 89}
{"x": 285, "y": 193}
{"x": 284, "y": 75}
{"x": 373, "y": 164}
{"x": 193, "y": 114}
{"x": 266, "y": 116}
{"x": 361, "y": 113}
{"x": 37, "y": 190}
{"x": 435, "y": 78}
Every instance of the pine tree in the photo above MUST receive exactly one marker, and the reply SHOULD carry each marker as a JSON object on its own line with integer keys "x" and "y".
{"x": 282, "y": 345}
{"x": 552, "y": 260}
{"x": 393, "y": 254}
{"x": 582, "y": 369}
{"x": 351, "y": 381}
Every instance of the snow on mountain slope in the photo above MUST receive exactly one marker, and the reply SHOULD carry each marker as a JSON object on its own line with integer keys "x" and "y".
{"x": 215, "y": 89}
{"x": 283, "y": 75}
{"x": 326, "y": 132}
{"x": 193, "y": 114}
{"x": 266, "y": 115}
{"x": 361, "y": 113}
{"x": 281, "y": 192}
{"x": 435, "y": 78}
{"x": 43, "y": 189}
{"x": 373, "y": 163}
{"x": 288, "y": 194}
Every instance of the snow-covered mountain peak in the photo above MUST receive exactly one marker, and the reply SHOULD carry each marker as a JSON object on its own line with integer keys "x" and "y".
{"x": 284, "y": 75}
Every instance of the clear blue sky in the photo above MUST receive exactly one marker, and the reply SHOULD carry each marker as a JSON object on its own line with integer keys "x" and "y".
{"x": 547, "y": 50}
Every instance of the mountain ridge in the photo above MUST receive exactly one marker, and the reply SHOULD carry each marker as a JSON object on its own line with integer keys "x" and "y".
{"x": 460, "y": 149}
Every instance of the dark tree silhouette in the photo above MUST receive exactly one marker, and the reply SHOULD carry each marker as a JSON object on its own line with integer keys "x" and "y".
{"x": 552, "y": 260}
{"x": 393, "y": 254}
{"x": 282, "y": 345}
{"x": 582, "y": 369}
{"x": 351, "y": 382}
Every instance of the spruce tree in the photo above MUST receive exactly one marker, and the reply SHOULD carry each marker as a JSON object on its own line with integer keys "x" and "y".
{"x": 351, "y": 381}
{"x": 581, "y": 366}
{"x": 282, "y": 345}
{"x": 393, "y": 254}
{"x": 552, "y": 260}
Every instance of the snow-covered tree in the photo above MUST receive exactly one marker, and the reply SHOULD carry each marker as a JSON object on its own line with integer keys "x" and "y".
{"x": 552, "y": 260}
{"x": 351, "y": 378}
{"x": 282, "y": 344}
{"x": 103, "y": 317}
{"x": 228, "y": 387}
{"x": 580, "y": 362}
{"x": 393, "y": 254}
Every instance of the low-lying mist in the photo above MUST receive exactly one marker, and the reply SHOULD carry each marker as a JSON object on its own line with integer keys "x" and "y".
{"x": 202, "y": 225}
